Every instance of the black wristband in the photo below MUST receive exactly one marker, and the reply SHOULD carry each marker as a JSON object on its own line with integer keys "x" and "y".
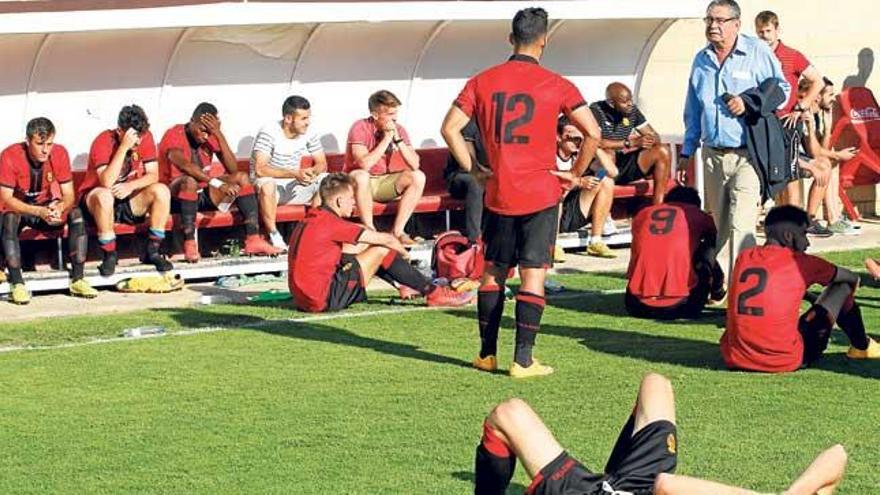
{"x": 397, "y": 141}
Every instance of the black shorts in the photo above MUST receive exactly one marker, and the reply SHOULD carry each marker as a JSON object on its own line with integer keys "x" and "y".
{"x": 689, "y": 307}
{"x": 628, "y": 168}
{"x": 203, "y": 201}
{"x": 37, "y": 223}
{"x": 572, "y": 217}
{"x": 524, "y": 240}
{"x": 815, "y": 329}
{"x": 347, "y": 285}
{"x": 651, "y": 451}
{"x": 121, "y": 211}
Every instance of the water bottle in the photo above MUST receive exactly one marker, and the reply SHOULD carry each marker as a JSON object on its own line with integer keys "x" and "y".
{"x": 144, "y": 331}
{"x": 208, "y": 299}
{"x": 224, "y": 205}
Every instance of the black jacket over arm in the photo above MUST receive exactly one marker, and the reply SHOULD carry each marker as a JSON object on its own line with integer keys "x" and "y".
{"x": 765, "y": 137}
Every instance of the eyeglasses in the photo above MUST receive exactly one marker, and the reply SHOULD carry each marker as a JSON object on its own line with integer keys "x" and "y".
{"x": 718, "y": 20}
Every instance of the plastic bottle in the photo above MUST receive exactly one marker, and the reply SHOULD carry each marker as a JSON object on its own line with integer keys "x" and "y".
{"x": 144, "y": 331}
{"x": 224, "y": 205}
{"x": 214, "y": 299}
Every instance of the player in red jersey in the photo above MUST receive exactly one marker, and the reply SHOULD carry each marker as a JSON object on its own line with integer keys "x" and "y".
{"x": 641, "y": 462}
{"x": 673, "y": 268}
{"x": 764, "y": 332}
{"x": 331, "y": 259}
{"x": 36, "y": 191}
{"x": 186, "y": 155}
{"x": 122, "y": 186}
{"x": 516, "y": 105}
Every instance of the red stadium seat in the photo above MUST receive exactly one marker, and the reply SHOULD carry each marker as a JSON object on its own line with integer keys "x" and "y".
{"x": 857, "y": 123}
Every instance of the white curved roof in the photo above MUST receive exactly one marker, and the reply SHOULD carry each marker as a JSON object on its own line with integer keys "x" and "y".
{"x": 91, "y": 15}
{"x": 79, "y": 67}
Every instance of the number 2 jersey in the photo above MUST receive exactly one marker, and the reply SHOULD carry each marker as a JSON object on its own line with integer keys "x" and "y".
{"x": 763, "y": 307}
{"x": 516, "y": 105}
{"x": 665, "y": 238}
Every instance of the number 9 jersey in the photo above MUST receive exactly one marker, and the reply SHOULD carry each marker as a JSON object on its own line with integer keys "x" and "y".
{"x": 764, "y": 301}
{"x": 665, "y": 240}
{"x": 516, "y": 105}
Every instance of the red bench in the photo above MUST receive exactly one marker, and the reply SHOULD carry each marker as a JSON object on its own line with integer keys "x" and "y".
{"x": 435, "y": 199}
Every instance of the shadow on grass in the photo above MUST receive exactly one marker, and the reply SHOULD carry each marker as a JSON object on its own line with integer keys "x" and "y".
{"x": 308, "y": 330}
{"x": 513, "y": 488}
{"x": 635, "y": 345}
{"x": 612, "y": 305}
{"x": 666, "y": 349}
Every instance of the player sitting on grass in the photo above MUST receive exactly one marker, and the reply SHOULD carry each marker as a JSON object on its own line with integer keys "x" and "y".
{"x": 640, "y": 463}
{"x": 673, "y": 267}
{"x": 36, "y": 191}
{"x": 332, "y": 259}
{"x": 768, "y": 284}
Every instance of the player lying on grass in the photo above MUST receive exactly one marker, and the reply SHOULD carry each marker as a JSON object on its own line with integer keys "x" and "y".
{"x": 640, "y": 463}
{"x": 673, "y": 269}
{"x": 764, "y": 332}
{"x": 332, "y": 259}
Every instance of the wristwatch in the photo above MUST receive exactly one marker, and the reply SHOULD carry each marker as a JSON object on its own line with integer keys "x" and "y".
{"x": 397, "y": 141}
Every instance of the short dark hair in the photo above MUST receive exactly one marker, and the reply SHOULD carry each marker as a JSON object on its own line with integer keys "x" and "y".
{"x": 767, "y": 17}
{"x": 561, "y": 123}
{"x": 383, "y": 97}
{"x": 730, "y": 4}
{"x": 528, "y": 25}
{"x": 783, "y": 218}
{"x": 133, "y": 117}
{"x": 40, "y": 127}
{"x": 294, "y": 103}
{"x": 334, "y": 184}
{"x": 204, "y": 108}
{"x": 826, "y": 82}
{"x": 684, "y": 194}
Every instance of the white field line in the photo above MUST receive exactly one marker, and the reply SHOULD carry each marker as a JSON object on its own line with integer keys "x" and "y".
{"x": 265, "y": 323}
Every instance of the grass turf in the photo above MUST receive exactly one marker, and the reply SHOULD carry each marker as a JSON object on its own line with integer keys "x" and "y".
{"x": 388, "y": 403}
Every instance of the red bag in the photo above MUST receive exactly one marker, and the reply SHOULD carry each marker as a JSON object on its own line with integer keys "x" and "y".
{"x": 455, "y": 257}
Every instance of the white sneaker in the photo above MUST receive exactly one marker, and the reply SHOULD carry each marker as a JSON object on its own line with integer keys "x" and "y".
{"x": 610, "y": 228}
{"x": 277, "y": 241}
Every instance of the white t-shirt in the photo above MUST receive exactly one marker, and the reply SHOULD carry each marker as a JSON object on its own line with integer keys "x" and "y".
{"x": 564, "y": 165}
{"x": 284, "y": 153}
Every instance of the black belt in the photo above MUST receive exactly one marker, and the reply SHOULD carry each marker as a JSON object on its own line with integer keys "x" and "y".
{"x": 721, "y": 149}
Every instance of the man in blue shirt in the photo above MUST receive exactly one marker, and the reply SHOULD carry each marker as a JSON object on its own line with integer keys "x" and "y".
{"x": 729, "y": 65}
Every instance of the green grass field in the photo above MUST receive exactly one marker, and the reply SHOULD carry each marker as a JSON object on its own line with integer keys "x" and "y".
{"x": 387, "y": 403}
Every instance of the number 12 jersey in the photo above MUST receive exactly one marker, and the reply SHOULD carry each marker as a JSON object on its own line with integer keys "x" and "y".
{"x": 516, "y": 105}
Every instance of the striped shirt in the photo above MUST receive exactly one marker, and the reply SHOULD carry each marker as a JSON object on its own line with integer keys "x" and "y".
{"x": 284, "y": 153}
{"x": 614, "y": 125}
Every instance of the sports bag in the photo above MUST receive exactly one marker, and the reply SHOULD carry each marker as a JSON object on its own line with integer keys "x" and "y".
{"x": 455, "y": 257}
